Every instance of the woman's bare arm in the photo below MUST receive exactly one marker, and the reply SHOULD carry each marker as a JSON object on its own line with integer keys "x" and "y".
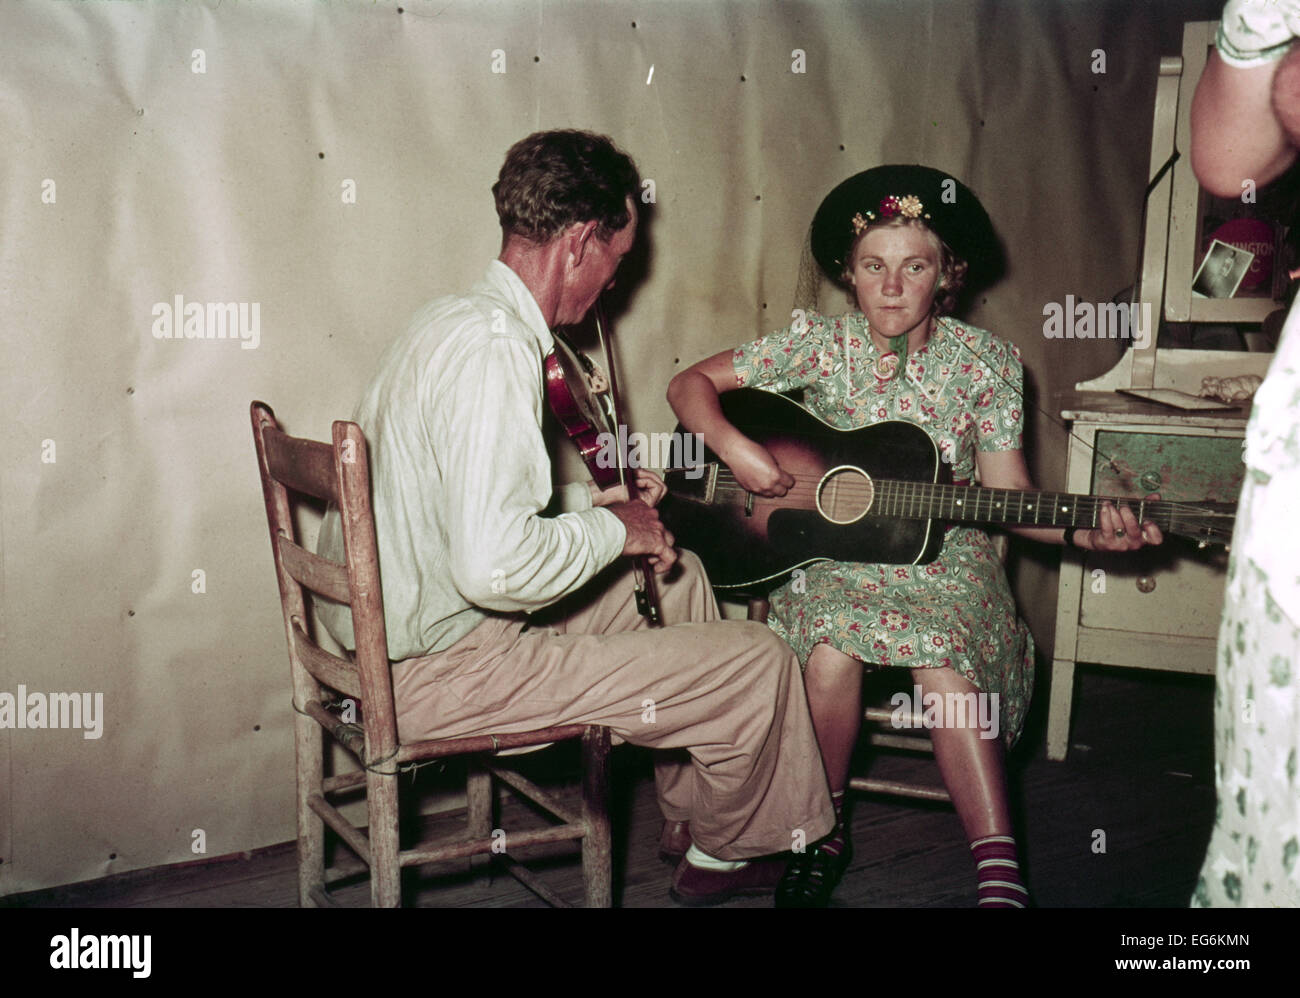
{"x": 693, "y": 394}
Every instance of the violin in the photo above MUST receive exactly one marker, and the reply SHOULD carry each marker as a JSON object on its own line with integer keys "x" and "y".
{"x": 586, "y": 402}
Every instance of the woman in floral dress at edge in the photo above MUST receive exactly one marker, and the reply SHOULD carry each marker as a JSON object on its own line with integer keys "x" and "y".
{"x": 900, "y": 240}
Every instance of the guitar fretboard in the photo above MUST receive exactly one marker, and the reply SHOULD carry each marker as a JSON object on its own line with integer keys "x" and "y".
{"x": 972, "y": 503}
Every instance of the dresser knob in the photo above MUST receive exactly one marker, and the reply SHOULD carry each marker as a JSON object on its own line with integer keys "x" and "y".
{"x": 1145, "y": 583}
{"x": 1151, "y": 482}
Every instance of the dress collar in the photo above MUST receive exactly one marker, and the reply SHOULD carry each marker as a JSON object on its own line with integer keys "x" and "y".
{"x": 942, "y": 324}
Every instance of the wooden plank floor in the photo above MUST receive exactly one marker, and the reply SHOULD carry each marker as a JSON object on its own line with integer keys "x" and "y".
{"x": 1124, "y": 822}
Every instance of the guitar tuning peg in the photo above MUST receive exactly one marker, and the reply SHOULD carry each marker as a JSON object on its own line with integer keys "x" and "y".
{"x": 1202, "y": 544}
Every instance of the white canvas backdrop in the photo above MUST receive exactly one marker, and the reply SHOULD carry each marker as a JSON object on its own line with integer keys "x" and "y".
{"x": 207, "y": 149}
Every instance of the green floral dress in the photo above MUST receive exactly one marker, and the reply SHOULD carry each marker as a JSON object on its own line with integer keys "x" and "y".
{"x": 964, "y": 388}
{"x": 1254, "y": 855}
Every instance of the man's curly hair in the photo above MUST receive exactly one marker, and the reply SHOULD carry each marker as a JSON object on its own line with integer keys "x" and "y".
{"x": 550, "y": 180}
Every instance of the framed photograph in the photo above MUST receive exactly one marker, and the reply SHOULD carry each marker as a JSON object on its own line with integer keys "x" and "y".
{"x": 1222, "y": 270}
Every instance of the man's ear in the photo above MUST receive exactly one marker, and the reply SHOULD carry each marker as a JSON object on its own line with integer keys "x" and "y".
{"x": 581, "y": 236}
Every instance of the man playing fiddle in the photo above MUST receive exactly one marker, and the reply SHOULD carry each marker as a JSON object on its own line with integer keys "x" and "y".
{"x": 501, "y": 618}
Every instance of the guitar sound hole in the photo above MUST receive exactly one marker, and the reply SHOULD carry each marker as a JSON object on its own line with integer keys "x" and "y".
{"x": 845, "y": 494}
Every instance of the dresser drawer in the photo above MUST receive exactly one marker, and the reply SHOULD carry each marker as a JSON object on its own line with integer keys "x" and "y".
{"x": 1175, "y": 589}
{"x": 1177, "y": 465}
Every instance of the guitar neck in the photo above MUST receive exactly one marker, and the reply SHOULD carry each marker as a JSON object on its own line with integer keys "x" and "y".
{"x": 974, "y": 504}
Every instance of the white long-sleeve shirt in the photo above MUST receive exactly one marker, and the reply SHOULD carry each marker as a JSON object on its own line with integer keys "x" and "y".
{"x": 460, "y": 474}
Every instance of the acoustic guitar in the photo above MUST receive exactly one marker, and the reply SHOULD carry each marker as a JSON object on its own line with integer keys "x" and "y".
{"x": 880, "y": 494}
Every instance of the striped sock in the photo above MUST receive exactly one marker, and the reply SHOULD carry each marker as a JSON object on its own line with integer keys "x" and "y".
{"x": 999, "y": 873}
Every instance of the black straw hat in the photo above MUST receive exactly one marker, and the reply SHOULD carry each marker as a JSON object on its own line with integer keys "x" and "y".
{"x": 942, "y": 202}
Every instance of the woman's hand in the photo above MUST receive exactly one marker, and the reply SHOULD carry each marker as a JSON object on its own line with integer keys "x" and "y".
{"x": 755, "y": 468}
{"x": 1116, "y": 530}
{"x": 1119, "y": 530}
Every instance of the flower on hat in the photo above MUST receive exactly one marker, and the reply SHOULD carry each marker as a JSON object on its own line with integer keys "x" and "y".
{"x": 905, "y": 193}
{"x": 909, "y": 206}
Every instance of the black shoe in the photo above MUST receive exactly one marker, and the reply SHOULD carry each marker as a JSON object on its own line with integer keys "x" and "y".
{"x": 811, "y": 877}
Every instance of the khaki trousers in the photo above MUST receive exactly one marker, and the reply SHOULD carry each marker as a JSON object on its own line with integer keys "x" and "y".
{"x": 728, "y": 692}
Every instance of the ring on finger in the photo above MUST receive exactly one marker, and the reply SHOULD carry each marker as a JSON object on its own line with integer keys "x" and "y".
{"x": 1119, "y": 531}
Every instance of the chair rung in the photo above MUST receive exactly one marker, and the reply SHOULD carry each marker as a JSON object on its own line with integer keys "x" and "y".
{"x": 336, "y": 673}
{"x": 347, "y": 735}
{"x": 323, "y": 899}
{"x": 461, "y": 848}
{"x": 536, "y": 794}
{"x": 530, "y": 880}
{"x": 318, "y": 574}
{"x": 344, "y": 781}
{"x": 908, "y": 743}
{"x": 898, "y": 789}
{"x": 486, "y": 744}
{"x": 301, "y": 465}
{"x": 347, "y": 831}
{"x": 346, "y": 866}
{"x": 883, "y": 715}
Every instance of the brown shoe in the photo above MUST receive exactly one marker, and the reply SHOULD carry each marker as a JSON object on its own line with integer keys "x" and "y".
{"x": 697, "y": 888}
{"x": 674, "y": 840}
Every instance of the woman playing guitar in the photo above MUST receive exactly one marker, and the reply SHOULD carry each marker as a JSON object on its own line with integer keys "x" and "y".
{"x": 900, "y": 240}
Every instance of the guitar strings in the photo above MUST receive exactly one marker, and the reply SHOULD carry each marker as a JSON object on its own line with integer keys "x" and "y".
{"x": 887, "y": 491}
{"x": 725, "y": 480}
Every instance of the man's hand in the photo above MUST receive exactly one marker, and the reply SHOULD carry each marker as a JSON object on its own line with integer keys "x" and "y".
{"x": 1119, "y": 530}
{"x": 755, "y": 468}
{"x": 646, "y": 535}
{"x": 650, "y": 485}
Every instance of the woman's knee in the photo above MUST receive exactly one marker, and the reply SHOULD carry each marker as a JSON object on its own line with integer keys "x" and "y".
{"x": 943, "y": 679}
{"x": 832, "y": 671}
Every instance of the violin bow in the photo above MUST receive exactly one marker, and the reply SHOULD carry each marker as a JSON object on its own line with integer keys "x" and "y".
{"x": 647, "y": 594}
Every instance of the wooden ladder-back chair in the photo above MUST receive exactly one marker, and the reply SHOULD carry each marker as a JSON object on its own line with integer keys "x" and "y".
{"x": 339, "y": 473}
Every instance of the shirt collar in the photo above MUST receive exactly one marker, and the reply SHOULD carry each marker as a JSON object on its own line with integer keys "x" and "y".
{"x": 508, "y": 285}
